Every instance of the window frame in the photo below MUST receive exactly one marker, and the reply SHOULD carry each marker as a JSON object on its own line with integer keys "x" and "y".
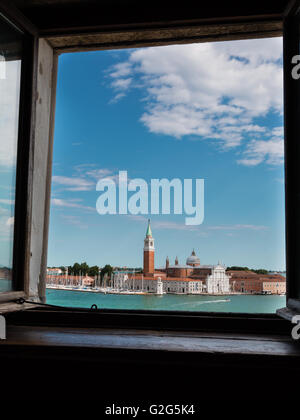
{"x": 291, "y": 38}
{"x": 21, "y": 244}
{"x": 92, "y": 40}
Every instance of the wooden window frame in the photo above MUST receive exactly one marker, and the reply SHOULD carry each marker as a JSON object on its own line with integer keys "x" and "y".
{"x": 22, "y": 212}
{"x": 291, "y": 39}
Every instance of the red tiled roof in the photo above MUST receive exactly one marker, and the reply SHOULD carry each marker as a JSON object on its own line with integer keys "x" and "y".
{"x": 241, "y": 273}
{"x": 265, "y": 278}
{"x": 272, "y": 278}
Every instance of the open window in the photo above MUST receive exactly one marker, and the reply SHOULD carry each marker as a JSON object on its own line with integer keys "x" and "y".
{"x": 191, "y": 138}
{"x": 291, "y": 125}
{"x": 35, "y": 164}
{"x": 16, "y": 64}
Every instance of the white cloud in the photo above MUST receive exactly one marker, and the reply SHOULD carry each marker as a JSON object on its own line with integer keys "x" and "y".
{"x": 117, "y": 97}
{"x": 6, "y": 227}
{"x": 121, "y": 84}
{"x": 203, "y": 229}
{"x": 99, "y": 173}
{"x": 10, "y": 221}
{"x": 120, "y": 70}
{"x": 271, "y": 151}
{"x": 277, "y": 131}
{"x": 211, "y": 90}
{"x": 8, "y": 202}
{"x": 103, "y": 173}
{"x": 87, "y": 175}
{"x": 71, "y": 203}
{"x": 73, "y": 184}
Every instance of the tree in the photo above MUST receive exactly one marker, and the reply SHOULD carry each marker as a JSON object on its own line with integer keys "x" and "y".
{"x": 261, "y": 271}
{"x": 237, "y": 268}
{"x": 75, "y": 269}
{"x": 84, "y": 268}
{"x": 93, "y": 271}
{"x": 107, "y": 269}
{"x": 79, "y": 269}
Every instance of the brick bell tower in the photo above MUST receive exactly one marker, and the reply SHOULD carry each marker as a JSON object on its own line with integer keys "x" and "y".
{"x": 149, "y": 252}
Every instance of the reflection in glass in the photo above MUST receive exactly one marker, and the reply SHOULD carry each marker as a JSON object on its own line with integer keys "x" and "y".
{"x": 10, "y": 72}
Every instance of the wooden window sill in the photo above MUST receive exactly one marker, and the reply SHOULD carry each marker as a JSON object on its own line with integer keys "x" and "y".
{"x": 10, "y": 307}
{"x": 105, "y": 363}
{"x": 41, "y": 339}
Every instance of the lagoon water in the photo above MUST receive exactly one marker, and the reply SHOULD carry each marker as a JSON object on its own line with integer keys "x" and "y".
{"x": 5, "y": 285}
{"x": 237, "y": 303}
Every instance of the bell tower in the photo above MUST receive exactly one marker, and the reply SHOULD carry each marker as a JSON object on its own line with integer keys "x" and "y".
{"x": 149, "y": 252}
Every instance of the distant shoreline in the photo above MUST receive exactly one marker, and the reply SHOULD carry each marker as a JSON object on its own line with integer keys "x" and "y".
{"x": 129, "y": 293}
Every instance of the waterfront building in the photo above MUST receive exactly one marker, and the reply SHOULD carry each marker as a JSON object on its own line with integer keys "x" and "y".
{"x": 5, "y": 273}
{"x": 217, "y": 281}
{"x": 189, "y": 278}
{"x": 252, "y": 283}
{"x": 88, "y": 281}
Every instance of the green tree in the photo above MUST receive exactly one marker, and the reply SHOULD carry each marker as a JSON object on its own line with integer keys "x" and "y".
{"x": 107, "y": 269}
{"x": 76, "y": 269}
{"x": 261, "y": 271}
{"x": 93, "y": 271}
{"x": 237, "y": 268}
{"x": 79, "y": 269}
{"x": 84, "y": 268}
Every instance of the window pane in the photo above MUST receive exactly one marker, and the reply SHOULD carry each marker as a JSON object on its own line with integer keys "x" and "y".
{"x": 10, "y": 71}
{"x": 179, "y": 114}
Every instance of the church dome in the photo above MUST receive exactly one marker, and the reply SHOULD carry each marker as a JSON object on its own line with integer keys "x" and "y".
{"x": 193, "y": 260}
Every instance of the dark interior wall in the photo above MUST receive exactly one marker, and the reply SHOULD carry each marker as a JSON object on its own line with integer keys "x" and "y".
{"x": 49, "y": 15}
{"x": 141, "y": 378}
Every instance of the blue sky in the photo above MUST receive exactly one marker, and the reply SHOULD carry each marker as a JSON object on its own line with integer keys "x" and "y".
{"x": 209, "y": 111}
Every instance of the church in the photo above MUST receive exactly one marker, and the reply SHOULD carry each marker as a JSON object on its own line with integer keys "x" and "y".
{"x": 188, "y": 278}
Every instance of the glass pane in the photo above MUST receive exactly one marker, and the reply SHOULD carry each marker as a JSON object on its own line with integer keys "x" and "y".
{"x": 10, "y": 71}
{"x": 126, "y": 119}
